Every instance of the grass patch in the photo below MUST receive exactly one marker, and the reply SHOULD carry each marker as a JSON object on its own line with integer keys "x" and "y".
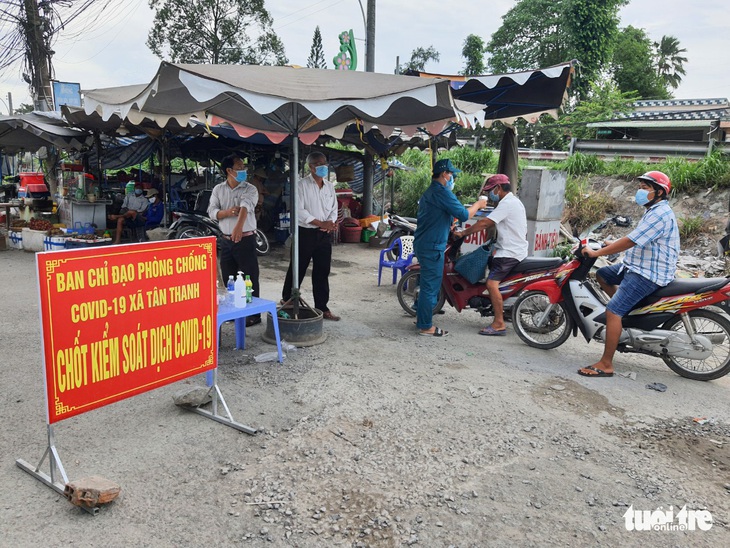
{"x": 584, "y": 208}
{"x": 690, "y": 228}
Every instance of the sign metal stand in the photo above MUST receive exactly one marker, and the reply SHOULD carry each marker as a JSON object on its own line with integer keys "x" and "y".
{"x": 228, "y": 419}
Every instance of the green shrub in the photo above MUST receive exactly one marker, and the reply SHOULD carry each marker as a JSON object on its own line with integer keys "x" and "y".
{"x": 582, "y": 164}
{"x": 690, "y": 228}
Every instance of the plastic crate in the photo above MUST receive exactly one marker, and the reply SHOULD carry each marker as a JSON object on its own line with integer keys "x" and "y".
{"x": 86, "y": 228}
{"x": 367, "y": 234}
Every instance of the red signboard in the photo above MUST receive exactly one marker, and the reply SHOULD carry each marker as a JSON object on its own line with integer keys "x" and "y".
{"x": 121, "y": 320}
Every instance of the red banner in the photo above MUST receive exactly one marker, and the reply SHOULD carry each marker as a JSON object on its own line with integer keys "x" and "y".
{"x": 121, "y": 320}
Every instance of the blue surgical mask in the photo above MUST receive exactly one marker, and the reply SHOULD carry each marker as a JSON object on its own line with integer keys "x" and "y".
{"x": 138, "y": 192}
{"x": 321, "y": 171}
{"x": 241, "y": 176}
{"x": 642, "y": 197}
{"x": 451, "y": 183}
{"x": 493, "y": 197}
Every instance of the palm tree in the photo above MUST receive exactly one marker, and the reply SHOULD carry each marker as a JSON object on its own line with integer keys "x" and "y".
{"x": 670, "y": 62}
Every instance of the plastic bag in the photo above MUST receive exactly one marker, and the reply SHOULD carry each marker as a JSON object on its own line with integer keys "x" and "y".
{"x": 274, "y": 356}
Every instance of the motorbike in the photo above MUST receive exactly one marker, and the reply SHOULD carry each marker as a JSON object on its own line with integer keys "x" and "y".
{"x": 462, "y": 294}
{"x": 193, "y": 224}
{"x": 399, "y": 226}
{"x": 673, "y": 323}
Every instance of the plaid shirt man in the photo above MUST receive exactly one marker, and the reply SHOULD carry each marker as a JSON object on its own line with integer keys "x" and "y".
{"x": 656, "y": 251}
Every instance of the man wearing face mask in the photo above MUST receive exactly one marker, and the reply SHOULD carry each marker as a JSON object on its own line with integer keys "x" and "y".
{"x": 132, "y": 213}
{"x": 317, "y": 216}
{"x": 511, "y": 247}
{"x": 436, "y": 210}
{"x": 155, "y": 211}
{"x": 650, "y": 262}
{"x": 232, "y": 204}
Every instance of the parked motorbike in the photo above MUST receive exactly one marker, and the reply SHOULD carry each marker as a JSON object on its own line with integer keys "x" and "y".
{"x": 461, "y": 294}
{"x": 673, "y": 323}
{"x": 193, "y": 224}
{"x": 399, "y": 226}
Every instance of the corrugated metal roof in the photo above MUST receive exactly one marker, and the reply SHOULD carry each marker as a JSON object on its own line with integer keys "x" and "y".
{"x": 654, "y": 123}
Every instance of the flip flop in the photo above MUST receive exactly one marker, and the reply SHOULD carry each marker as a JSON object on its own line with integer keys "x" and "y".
{"x": 596, "y": 372}
{"x": 438, "y": 332}
{"x": 491, "y": 332}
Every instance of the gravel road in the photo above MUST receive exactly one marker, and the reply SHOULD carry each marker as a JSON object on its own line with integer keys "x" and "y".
{"x": 377, "y": 437}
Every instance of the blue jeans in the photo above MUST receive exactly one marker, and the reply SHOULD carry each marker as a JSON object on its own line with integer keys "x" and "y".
{"x": 632, "y": 287}
{"x": 432, "y": 271}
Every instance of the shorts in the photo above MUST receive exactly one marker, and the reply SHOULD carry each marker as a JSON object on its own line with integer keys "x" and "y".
{"x": 632, "y": 287}
{"x": 500, "y": 267}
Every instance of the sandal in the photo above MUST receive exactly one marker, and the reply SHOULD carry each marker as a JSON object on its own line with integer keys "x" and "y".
{"x": 437, "y": 332}
{"x": 491, "y": 332}
{"x": 594, "y": 372}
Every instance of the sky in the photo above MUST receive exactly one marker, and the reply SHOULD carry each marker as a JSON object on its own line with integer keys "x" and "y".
{"x": 108, "y": 47}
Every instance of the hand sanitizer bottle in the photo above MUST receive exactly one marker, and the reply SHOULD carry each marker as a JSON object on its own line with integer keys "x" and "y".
{"x": 239, "y": 298}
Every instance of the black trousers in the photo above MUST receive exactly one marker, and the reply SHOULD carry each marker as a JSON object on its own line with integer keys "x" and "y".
{"x": 240, "y": 256}
{"x": 315, "y": 246}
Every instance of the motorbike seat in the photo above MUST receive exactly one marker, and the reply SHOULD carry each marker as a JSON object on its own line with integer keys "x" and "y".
{"x": 537, "y": 263}
{"x": 690, "y": 285}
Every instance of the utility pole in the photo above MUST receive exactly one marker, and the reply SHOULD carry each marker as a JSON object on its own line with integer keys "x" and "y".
{"x": 10, "y": 104}
{"x": 367, "y": 172}
{"x": 40, "y": 61}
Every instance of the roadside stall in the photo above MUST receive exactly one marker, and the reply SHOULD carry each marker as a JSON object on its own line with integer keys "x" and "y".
{"x": 80, "y": 206}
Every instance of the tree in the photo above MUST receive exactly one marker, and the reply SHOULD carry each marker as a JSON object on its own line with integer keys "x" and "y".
{"x": 603, "y": 102}
{"x": 316, "y": 54}
{"x": 473, "y": 52}
{"x": 669, "y": 61}
{"x": 633, "y": 66}
{"x": 532, "y": 35}
{"x": 419, "y": 58}
{"x": 593, "y": 27}
{"x": 215, "y": 31}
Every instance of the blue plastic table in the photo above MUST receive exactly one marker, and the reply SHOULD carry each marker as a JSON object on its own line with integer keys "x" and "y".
{"x": 228, "y": 312}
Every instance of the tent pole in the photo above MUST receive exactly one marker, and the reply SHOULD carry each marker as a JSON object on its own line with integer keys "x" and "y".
{"x": 294, "y": 225}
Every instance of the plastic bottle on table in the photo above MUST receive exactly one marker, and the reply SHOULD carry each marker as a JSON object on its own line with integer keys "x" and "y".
{"x": 231, "y": 287}
{"x": 249, "y": 289}
{"x": 239, "y": 293}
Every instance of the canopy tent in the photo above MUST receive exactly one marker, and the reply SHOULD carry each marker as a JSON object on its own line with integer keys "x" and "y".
{"x": 32, "y": 131}
{"x": 281, "y": 102}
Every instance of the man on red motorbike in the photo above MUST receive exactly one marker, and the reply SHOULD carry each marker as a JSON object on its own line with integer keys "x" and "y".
{"x": 652, "y": 251}
{"x": 511, "y": 247}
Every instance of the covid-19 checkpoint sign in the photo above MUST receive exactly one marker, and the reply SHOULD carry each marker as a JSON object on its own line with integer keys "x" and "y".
{"x": 117, "y": 321}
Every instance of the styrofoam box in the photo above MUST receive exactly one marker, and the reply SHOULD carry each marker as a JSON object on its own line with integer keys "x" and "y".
{"x": 54, "y": 243}
{"x": 15, "y": 239}
{"x": 33, "y": 239}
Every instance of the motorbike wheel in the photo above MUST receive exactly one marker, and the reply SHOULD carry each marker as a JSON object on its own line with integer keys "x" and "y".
{"x": 525, "y": 312}
{"x": 191, "y": 231}
{"x": 394, "y": 253}
{"x": 716, "y": 328}
{"x": 262, "y": 243}
{"x": 408, "y": 289}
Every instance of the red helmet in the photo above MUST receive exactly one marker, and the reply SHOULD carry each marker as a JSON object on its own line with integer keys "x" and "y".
{"x": 657, "y": 178}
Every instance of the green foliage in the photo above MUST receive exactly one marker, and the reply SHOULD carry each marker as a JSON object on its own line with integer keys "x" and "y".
{"x": 582, "y": 164}
{"x": 410, "y": 185}
{"x": 630, "y": 169}
{"x": 710, "y": 172}
{"x": 690, "y": 228}
{"x": 473, "y": 52}
{"x": 564, "y": 250}
{"x": 532, "y": 35}
{"x": 592, "y": 26}
{"x": 316, "y": 53}
{"x": 669, "y": 61}
{"x": 214, "y": 31}
{"x": 633, "y": 65}
{"x": 603, "y": 102}
{"x": 419, "y": 58}
{"x": 584, "y": 208}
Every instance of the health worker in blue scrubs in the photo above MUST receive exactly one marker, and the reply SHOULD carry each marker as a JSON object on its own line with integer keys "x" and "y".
{"x": 437, "y": 209}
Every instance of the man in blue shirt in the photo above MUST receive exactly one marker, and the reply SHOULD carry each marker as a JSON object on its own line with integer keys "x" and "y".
{"x": 436, "y": 211}
{"x": 652, "y": 251}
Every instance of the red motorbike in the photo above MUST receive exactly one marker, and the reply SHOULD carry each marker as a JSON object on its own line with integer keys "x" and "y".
{"x": 461, "y": 294}
{"x": 672, "y": 323}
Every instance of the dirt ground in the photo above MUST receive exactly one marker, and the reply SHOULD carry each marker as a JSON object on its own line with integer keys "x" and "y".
{"x": 377, "y": 437}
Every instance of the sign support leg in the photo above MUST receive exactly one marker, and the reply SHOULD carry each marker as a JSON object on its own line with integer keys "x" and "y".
{"x": 228, "y": 418}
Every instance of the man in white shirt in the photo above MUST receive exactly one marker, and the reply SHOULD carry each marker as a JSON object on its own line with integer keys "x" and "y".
{"x": 232, "y": 204}
{"x": 511, "y": 221}
{"x": 132, "y": 213}
{"x": 317, "y": 216}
